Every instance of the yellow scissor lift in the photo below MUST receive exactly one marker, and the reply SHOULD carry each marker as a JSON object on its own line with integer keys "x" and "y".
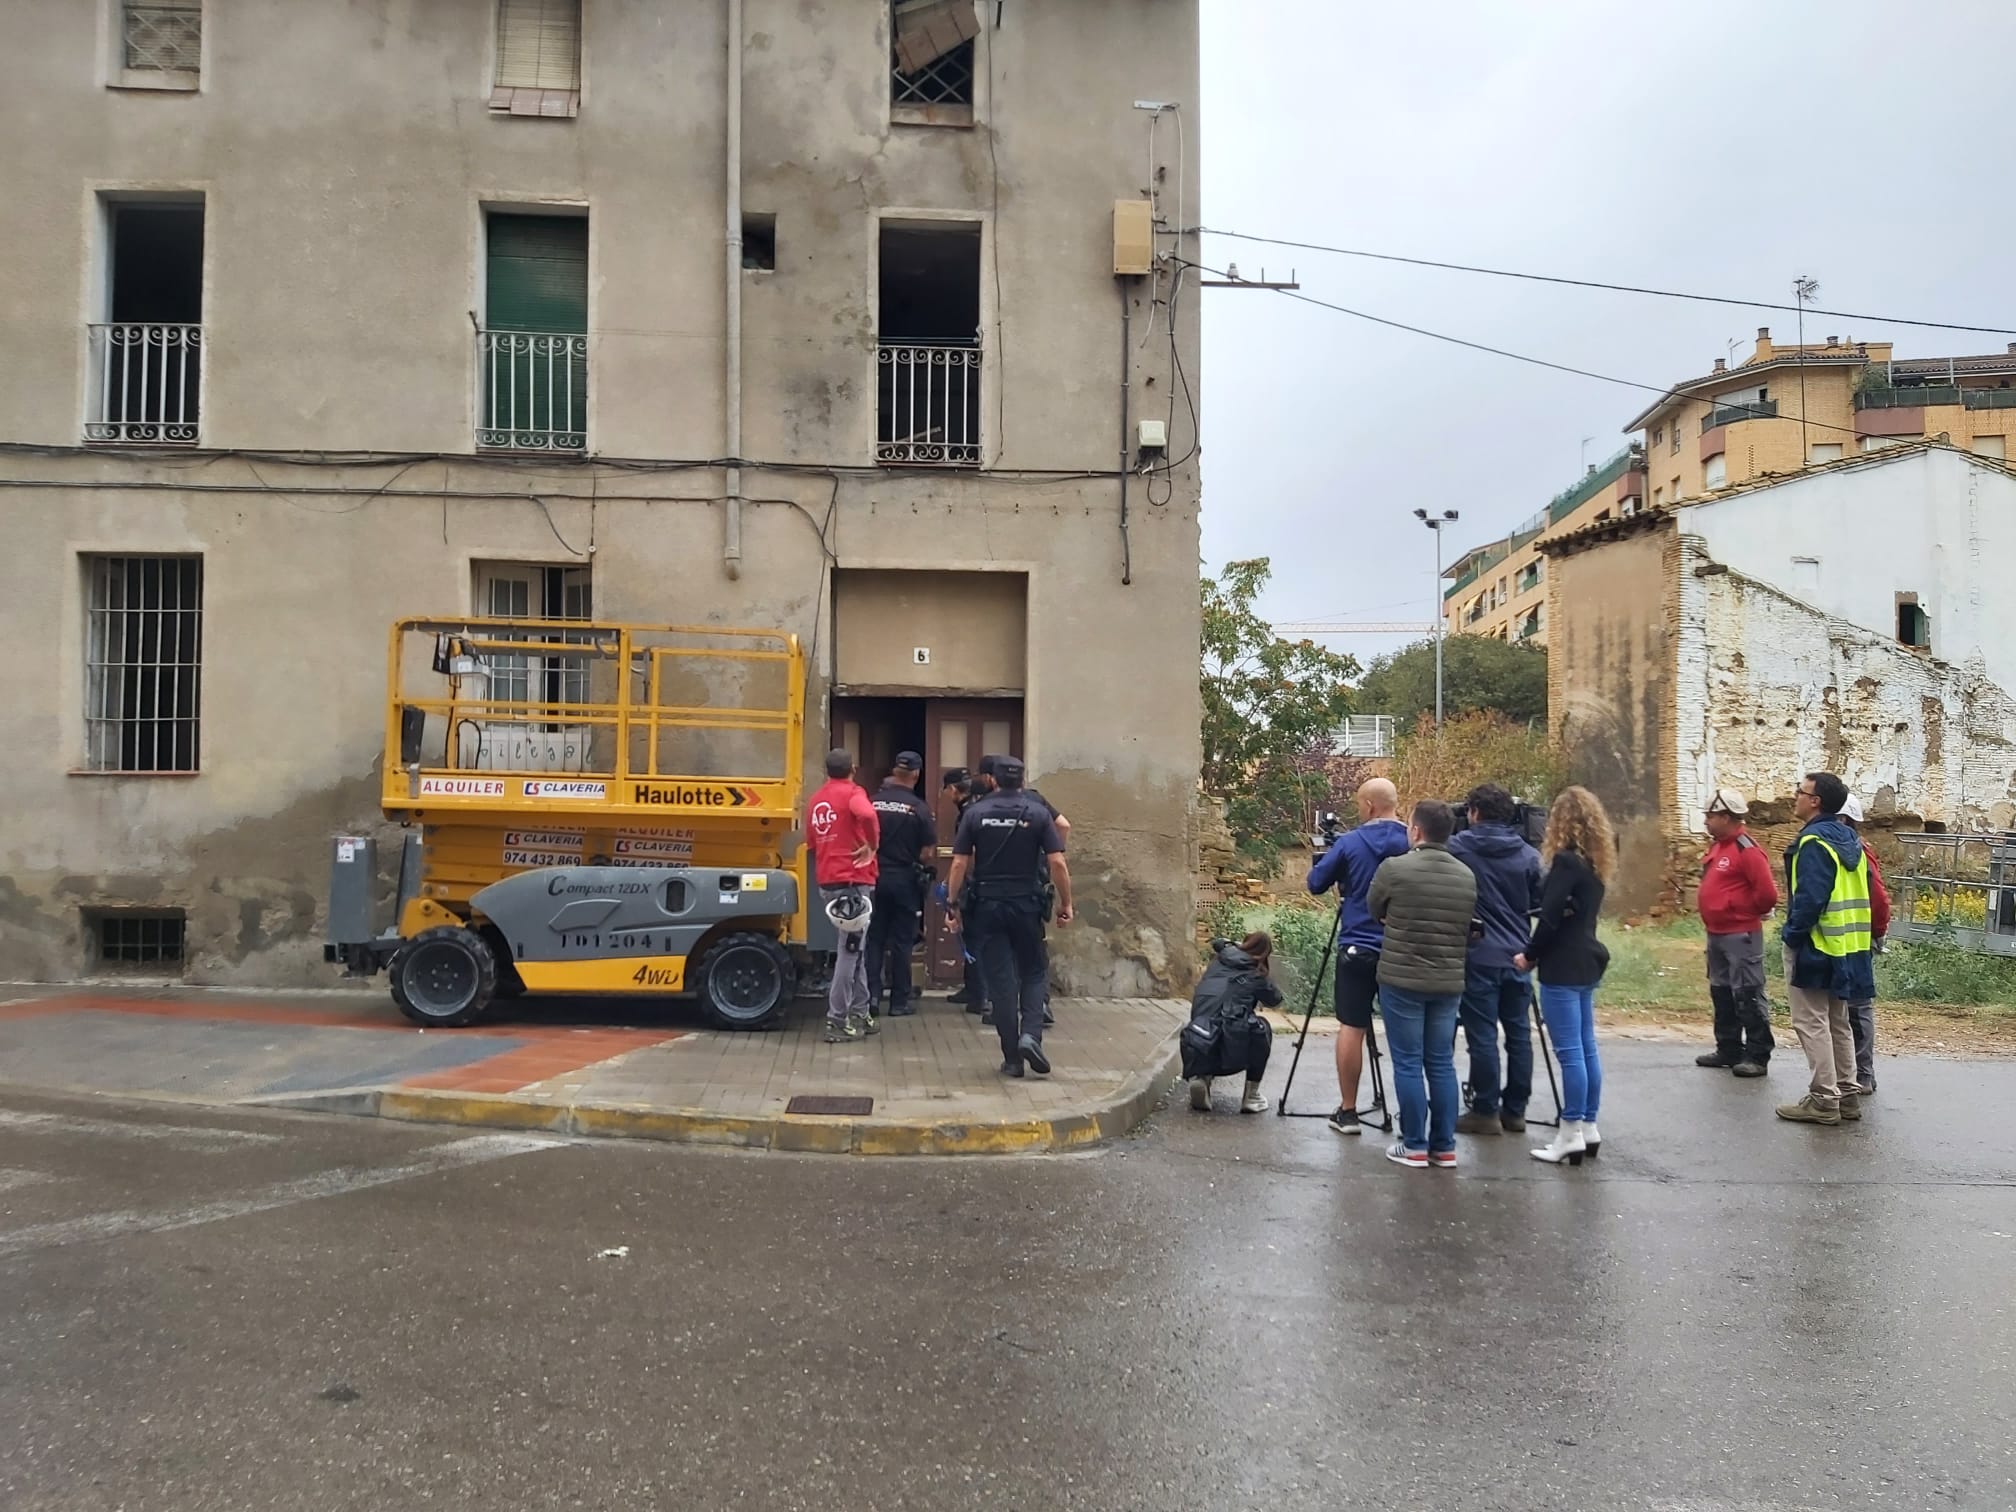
{"x": 591, "y": 808}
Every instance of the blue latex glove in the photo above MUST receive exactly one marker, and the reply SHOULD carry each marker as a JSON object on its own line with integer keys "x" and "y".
{"x": 944, "y": 898}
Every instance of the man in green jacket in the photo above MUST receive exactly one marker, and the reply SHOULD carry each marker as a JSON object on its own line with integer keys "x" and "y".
{"x": 1426, "y": 900}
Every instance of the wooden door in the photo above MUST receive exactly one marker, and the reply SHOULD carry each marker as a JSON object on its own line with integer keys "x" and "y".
{"x": 958, "y": 732}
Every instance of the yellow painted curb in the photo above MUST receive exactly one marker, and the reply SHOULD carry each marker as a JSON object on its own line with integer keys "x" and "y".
{"x": 1108, "y": 1119}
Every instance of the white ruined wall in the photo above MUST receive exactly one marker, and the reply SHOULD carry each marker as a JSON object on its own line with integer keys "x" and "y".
{"x": 1770, "y": 688}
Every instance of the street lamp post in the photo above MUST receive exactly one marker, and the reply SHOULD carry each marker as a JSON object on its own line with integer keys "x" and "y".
{"x": 1435, "y": 524}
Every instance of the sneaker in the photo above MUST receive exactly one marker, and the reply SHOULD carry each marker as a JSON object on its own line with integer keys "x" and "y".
{"x": 840, "y": 1032}
{"x": 1200, "y": 1094}
{"x": 1475, "y": 1122}
{"x": 861, "y": 1026}
{"x": 1512, "y": 1123}
{"x": 1442, "y": 1160}
{"x": 1715, "y": 1060}
{"x": 1811, "y": 1109}
{"x": 1749, "y": 1070}
{"x": 1399, "y": 1154}
{"x": 1850, "y": 1106}
{"x": 1250, "y": 1101}
{"x": 1345, "y": 1121}
{"x": 1011, "y": 1067}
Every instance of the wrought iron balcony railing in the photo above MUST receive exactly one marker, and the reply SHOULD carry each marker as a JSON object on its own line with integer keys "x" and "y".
{"x": 146, "y": 383}
{"x": 928, "y": 404}
{"x": 531, "y": 391}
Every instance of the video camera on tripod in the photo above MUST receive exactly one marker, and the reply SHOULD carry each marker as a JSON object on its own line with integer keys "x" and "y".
{"x": 1328, "y": 828}
{"x": 1528, "y": 819}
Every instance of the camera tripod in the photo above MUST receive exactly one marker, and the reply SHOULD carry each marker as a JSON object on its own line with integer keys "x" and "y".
{"x": 1383, "y": 1121}
{"x": 1539, "y": 1022}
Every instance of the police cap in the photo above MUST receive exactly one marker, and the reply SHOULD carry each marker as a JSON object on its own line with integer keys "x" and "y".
{"x": 1009, "y": 771}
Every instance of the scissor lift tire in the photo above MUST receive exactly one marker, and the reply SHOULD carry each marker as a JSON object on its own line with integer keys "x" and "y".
{"x": 745, "y": 981}
{"x": 445, "y": 977}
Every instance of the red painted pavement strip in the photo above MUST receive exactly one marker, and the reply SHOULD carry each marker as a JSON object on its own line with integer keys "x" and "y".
{"x": 555, "y": 1049}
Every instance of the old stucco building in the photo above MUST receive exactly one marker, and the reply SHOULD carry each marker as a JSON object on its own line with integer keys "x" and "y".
{"x": 1851, "y": 618}
{"x": 320, "y": 315}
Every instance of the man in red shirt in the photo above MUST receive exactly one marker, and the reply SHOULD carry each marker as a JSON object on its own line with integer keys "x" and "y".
{"x": 1862, "y": 1015}
{"x": 1737, "y": 891}
{"x": 843, "y": 830}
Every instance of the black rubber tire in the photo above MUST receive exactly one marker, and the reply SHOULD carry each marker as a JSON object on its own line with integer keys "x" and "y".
{"x": 510, "y": 985}
{"x": 745, "y": 981}
{"x": 445, "y": 977}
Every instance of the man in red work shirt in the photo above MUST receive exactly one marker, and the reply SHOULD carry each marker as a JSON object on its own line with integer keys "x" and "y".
{"x": 1737, "y": 891}
{"x": 843, "y": 830}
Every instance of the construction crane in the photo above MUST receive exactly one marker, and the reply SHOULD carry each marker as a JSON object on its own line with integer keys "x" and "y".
{"x": 1357, "y": 627}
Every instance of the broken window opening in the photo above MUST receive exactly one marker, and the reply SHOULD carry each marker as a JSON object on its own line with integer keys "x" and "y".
{"x": 759, "y": 243}
{"x": 932, "y": 52}
{"x": 928, "y": 355}
{"x": 1914, "y": 627}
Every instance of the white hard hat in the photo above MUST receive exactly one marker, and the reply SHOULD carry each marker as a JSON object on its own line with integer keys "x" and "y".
{"x": 850, "y": 911}
{"x": 1852, "y": 809}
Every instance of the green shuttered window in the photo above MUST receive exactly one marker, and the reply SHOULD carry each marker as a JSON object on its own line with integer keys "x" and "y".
{"x": 534, "y": 370}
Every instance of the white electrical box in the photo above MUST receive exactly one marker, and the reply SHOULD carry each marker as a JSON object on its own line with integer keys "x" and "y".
{"x": 1154, "y": 435}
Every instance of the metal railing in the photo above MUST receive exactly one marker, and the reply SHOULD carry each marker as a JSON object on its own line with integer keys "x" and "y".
{"x": 1591, "y": 483}
{"x": 1997, "y": 398}
{"x": 1732, "y": 414}
{"x": 1366, "y": 735}
{"x": 531, "y": 391}
{"x": 927, "y": 403}
{"x": 146, "y": 383}
{"x": 1906, "y": 398}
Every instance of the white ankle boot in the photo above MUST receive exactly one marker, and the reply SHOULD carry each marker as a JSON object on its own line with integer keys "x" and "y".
{"x": 1252, "y": 1102}
{"x": 1200, "y": 1094}
{"x": 1591, "y": 1140}
{"x": 1568, "y": 1146}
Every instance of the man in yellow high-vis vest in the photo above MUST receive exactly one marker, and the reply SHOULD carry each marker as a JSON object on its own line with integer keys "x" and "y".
{"x": 1829, "y": 941}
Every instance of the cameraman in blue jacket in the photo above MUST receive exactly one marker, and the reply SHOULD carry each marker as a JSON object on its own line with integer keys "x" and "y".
{"x": 1495, "y": 991}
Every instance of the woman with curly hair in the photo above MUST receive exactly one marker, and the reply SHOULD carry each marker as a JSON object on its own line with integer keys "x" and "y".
{"x": 1580, "y": 851}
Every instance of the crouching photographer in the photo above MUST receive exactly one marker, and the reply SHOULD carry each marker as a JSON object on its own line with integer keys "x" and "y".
{"x": 1226, "y": 1035}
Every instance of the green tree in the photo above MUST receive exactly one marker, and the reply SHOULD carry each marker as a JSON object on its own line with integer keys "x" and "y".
{"x": 1271, "y": 708}
{"x": 1478, "y": 672}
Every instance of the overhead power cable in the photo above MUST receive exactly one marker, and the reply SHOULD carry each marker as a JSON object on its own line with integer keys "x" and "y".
{"x": 1615, "y": 288}
{"x": 1665, "y": 391}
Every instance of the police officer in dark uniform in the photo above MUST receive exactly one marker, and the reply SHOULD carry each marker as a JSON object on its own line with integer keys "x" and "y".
{"x": 1002, "y": 842}
{"x": 972, "y": 995}
{"x": 909, "y": 834}
{"x": 985, "y": 782}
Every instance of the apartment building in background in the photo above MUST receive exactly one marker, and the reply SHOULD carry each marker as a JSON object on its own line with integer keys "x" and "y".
{"x": 1783, "y": 409}
{"x": 728, "y": 312}
{"x": 1500, "y": 588}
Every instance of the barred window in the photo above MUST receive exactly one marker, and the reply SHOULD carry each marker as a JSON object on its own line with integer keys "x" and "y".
{"x": 143, "y": 663}
{"x": 164, "y": 36}
{"x": 140, "y": 940}
{"x": 931, "y": 50}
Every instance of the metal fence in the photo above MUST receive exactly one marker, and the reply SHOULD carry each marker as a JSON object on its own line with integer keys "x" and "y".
{"x": 928, "y": 404}
{"x": 1990, "y": 398}
{"x": 1906, "y": 398}
{"x": 1366, "y": 735}
{"x": 1957, "y": 887}
{"x": 146, "y": 383}
{"x": 532, "y": 391}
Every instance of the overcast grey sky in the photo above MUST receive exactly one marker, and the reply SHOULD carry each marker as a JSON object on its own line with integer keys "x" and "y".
{"x": 1723, "y": 146}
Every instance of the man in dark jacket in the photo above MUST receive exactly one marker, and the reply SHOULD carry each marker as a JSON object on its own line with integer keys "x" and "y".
{"x": 1424, "y": 899}
{"x": 1494, "y": 990}
{"x": 909, "y": 841}
{"x": 1349, "y": 865}
{"x": 1829, "y": 937}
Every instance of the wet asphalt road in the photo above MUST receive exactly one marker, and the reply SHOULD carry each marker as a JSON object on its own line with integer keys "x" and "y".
{"x": 212, "y": 1310}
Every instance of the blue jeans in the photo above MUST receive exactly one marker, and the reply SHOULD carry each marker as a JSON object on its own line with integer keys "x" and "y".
{"x": 1421, "y": 1034}
{"x": 1571, "y": 1021}
{"x": 1494, "y": 995}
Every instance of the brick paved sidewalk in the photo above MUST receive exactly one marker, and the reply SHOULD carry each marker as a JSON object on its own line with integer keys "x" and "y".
{"x": 931, "y": 1080}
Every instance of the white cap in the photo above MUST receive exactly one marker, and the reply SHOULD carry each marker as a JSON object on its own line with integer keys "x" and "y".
{"x": 1727, "y": 800}
{"x": 1852, "y": 809}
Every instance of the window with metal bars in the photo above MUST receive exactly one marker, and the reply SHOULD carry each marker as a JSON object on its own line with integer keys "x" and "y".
{"x": 161, "y": 36}
{"x": 527, "y": 590}
{"x": 137, "y": 940}
{"x": 932, "y": 52}
{"x": 143, "y": 663}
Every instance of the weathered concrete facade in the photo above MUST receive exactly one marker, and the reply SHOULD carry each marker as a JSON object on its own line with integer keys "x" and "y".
{"x": 344, "y": 205}
{"x": 1745, "y": 640}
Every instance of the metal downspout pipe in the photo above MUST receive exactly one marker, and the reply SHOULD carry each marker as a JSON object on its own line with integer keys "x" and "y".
{"x": 731, "y": 398}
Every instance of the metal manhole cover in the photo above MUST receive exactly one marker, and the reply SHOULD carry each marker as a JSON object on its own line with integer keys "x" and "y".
{"x": 832, "y": 1107}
